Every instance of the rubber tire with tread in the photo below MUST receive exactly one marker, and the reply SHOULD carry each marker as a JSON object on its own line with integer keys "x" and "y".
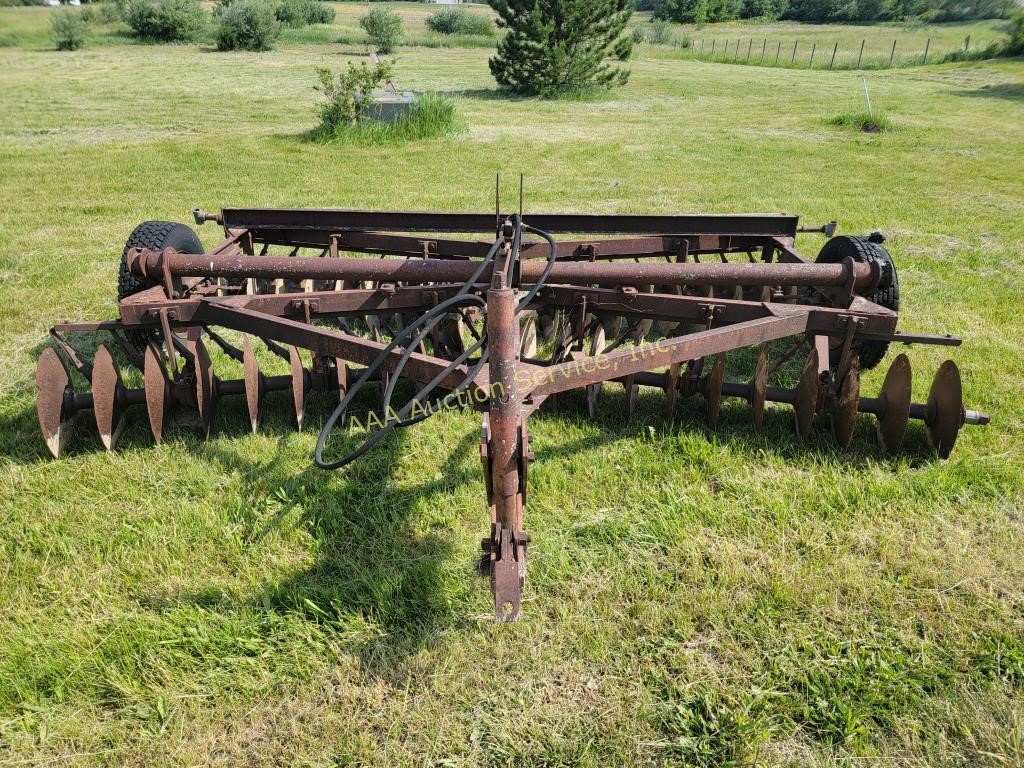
{"x": 154, "y": 235}
{"x": 862, "y": 249}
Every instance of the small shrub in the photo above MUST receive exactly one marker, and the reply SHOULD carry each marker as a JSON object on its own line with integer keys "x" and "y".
{"x": 459, "y": 21}
{"x": 299, "y": 13}
{"x": 321, "y": 13}
{"x": 344, "y": 116}
{"x": 165, "y": 21}
{"x": 660, "y": 32}
{"x": 990, "y": 51}
{"x": 219, "y": 7}
{"x": 869, "y": 122}
{"x": 638, "y": 35}
{"x": 101, "y": 13}
{"x": 432, "y": 116}
{"x": 345, "y": 93}
{"x": 69, "y": 29}
{"x": 1015, "y": 45}
{"x": 248, "y": 25}
{"x": 108, "y": 13}
{"x": 384, "y": 28}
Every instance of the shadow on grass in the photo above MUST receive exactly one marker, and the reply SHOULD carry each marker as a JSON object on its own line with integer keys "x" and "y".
{"x": 485, "y": 94}
{"x": 1009, "y": 91}
{"x": 377, "y": 585}
{"x": 381, "y": 583}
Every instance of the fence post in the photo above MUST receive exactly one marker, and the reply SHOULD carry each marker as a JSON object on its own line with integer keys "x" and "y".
{"x": 793, "y": 59}
{"x": 861, "y": 54}
{"x": 749, "y": 46}
{"x": 891, "y": 55}
{"x": 763, "y": 47}
{"x": 777, "y": 52}
{"x": 712, "y": 49}
{"x": 967, "y": 42}
{"x": 927, "y": 45}
{"x": 834, "y": 49}
{"x": 702, "y": 46}
{"x": 811, "y": 62}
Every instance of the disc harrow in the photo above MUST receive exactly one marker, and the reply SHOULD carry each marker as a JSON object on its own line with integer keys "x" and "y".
{"x": 496, "y": 312}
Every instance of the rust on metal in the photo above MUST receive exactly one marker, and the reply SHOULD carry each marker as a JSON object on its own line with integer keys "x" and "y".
{"x": 457, "y": 305}
{"x": 108, "y": 397}
{"x": 805, "y": 403}
{"x": 945, "y": 409}
{"x": 758, "y": 389}
{"x": 894, "y": 404}
{"x": 845, "y": 407}
{"x": 53, "y": 383}
{"x": 254, "y": 386}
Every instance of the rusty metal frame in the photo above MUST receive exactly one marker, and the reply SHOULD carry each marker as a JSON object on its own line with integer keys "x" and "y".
{"x": 379, "y": 264}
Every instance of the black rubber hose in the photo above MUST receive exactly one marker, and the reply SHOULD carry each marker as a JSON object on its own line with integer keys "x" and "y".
{"x": 426, "y": 323}
{"x": 435, "y": 313}
{"x": 470, "y": 377}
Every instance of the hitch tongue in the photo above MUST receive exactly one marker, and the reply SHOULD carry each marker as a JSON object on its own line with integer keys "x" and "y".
{"x": 508, "y": 571}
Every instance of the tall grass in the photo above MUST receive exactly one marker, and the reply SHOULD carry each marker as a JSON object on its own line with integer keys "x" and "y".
{"x": 868, "y": 122}
{"x": 431, "y": 117}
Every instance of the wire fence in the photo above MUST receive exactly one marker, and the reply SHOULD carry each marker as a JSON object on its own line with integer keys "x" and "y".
{"x": 803, "y": 54}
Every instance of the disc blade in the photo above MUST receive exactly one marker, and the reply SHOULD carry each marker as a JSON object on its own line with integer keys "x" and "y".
{"x": 671, "y": 390}
{"x": 806, "y": 400}
{"x": 596, "y": 350}
{"x": 449, "y": 334}
{"x": 631, "y": 393}
{"x": 528, "y": 345}
{"x": 895, "y": 398}
{"x": 298, "y": 385}
{"x": 945, "y": 409}
{"x": 107, "y": 397}
{"x": 758, "y": 387}
{"x": 206, "y": 388}
{"x": 844, "y": 412}
{"x": 713, "y": 389}
{"x": 157, "y": 390}
{"x": 253, "y": 385}
{"x": 52, "y": 380}
{"x": 341, "y": 377}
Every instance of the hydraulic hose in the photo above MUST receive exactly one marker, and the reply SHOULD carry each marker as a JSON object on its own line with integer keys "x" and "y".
{"x": 422, "y": 326}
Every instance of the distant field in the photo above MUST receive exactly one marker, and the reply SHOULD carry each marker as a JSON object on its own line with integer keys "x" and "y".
{"x": 878, "y": 41}
{"x": 29, "y": 26}
{"x": 694, "y": 598}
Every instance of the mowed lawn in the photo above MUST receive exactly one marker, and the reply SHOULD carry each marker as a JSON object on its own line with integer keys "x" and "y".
{"x": 693, "y": 598}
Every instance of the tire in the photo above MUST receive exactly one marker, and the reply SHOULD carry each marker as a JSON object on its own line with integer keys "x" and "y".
{"x": 154, "y": 235}
{"x": 864, "y": 250}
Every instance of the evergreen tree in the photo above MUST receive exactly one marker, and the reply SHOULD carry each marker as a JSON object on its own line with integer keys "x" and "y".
{"x": 561, "y": 46}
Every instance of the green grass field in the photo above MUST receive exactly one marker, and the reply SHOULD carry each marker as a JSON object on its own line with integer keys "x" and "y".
{"x": 694, "y": 598}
